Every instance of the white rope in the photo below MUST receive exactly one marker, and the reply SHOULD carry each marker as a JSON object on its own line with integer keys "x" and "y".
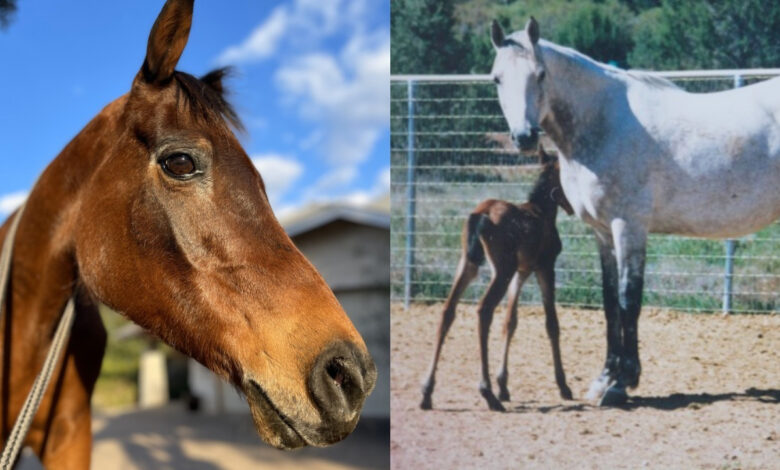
{"x": 24, "y": 420}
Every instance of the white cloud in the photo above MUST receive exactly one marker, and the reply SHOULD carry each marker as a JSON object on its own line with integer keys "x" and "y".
{"x": 348, "y": 95}
{"x": 279, "y": 173}
{"x": 262, "y": 42}
{"x": 331, "y": 182}
{"x": 9, "y": 202}
{"x": 304, "y": 22}
{"x": 331, "y": 188}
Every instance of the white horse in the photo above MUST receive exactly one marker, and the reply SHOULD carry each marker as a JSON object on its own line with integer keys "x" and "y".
{"x": 640, "y": 155}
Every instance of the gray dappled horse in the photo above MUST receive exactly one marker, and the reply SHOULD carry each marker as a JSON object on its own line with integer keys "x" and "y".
{"x": 640, "y": 155}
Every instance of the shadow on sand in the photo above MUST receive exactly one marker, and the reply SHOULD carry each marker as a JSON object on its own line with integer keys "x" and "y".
{"x": 674, "y": 401}
{"x": 172, "y": 438}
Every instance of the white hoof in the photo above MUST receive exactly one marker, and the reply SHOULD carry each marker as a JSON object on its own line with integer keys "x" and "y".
{"x": 597, "y": 388}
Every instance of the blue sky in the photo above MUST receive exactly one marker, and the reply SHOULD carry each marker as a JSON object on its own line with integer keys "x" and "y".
{"x": 312, "y": 86}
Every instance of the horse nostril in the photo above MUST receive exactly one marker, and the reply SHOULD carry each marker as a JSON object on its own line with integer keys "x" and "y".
{"x": 340, "y": 380}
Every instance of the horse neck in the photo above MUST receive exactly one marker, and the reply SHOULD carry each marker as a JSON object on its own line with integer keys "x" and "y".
{"x": 576, "y": 90}
{"x": 45, "y": 273}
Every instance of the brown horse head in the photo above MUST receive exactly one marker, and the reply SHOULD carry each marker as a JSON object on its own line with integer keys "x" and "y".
{"x": 172, "y": 227}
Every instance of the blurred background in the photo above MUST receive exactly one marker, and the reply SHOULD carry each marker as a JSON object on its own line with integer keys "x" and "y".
{"x": 311, "y": 86}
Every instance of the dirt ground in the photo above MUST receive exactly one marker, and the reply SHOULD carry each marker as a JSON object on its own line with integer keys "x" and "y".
{"x": 709, "y": 395}
{"x": 170, "y": 438}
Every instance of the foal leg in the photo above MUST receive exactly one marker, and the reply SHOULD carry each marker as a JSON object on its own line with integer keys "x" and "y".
{"x": 510, "y": 325}
{"x": 546, "y": 279}
{"x": 609, "y": 285}
{"x": 487, "y": 306}
{"x": 467, "y": 271}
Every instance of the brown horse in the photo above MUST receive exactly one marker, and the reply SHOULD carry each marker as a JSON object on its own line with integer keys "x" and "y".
{"x": 518, "y": 240}
{"x": 155, "y": 210}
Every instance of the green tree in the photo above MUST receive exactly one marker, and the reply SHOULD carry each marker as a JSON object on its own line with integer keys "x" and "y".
{"x": 707, "y": 34}
{"x": 600, "y": 29}
{"x": 7, "y": 9}
{"x": 422, "y": 39}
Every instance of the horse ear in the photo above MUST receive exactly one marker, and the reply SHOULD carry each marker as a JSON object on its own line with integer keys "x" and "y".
{"x": 544, "y": 157}
{"x": 167, "y": 40}
{"x": 532, "y": 28}
{"x": 496, "y": 34}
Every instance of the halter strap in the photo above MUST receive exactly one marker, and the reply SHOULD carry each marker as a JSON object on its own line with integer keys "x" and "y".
{"x": 33, "y": 401}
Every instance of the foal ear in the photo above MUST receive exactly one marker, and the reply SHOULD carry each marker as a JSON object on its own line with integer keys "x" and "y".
{"x": 496, "y": 34}
{"x": 167, "y": 40}
{"x": 532, "y": 28}
{"x": 544, "y": 157}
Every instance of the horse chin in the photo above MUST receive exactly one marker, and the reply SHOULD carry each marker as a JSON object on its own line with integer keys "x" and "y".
{"x": 282, "y": 431}
{"x": 273, "y": 426}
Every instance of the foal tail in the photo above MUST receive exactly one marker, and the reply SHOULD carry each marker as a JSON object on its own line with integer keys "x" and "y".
{"x": 475, "y": 252}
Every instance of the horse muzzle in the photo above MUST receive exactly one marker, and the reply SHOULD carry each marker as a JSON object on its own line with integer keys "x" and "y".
{"x": 342, "y": 377}
{"x": 526, "y": 142}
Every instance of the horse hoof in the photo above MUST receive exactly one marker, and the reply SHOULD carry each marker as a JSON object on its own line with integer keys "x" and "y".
{"x": 503, "y": 395}
{"x": 496, "y": 406}
{"x": 491, "y": 400}
{"x": 614, "y": 396}
{"x": 566, "y": 393}
{"x": 426, "y": 403}
{"x": 597, "y": 388}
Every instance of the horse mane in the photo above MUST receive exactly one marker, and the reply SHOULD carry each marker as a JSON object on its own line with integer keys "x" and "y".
{"x": 206, "y": 96}
{"x": 639, "y": 75}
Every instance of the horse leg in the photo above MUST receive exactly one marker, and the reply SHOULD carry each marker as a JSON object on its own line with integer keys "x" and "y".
{"x": 546, "y": 279}
{"x": 510, "y": 325}
{"x": 630, "y": 241}
{"x": 609, "y": 285}
{"x": 467, "y": 271}
{"x": 496, "y": 290}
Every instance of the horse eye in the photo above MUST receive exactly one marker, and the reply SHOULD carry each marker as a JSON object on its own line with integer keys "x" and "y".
{"x": 179, "y": 165}
{"x": 542, "y": 74}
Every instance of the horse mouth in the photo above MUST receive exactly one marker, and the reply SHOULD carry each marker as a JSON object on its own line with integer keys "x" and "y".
{"x": 281, "y": 432}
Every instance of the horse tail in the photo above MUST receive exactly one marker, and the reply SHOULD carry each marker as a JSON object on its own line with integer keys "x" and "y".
{"x": 475, "y": 252}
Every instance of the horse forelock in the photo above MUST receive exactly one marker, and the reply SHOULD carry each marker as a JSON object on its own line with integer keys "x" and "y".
{"x": 206, "y": 97}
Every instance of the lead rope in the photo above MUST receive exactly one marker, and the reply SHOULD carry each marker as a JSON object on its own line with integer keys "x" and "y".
{"x": 33, "y": 401}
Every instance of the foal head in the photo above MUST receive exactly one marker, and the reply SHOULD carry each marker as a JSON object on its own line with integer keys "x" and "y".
{"x": 548, "y": 183}
{"x": 175, "y": 231}
{"x": 519, "y": 73}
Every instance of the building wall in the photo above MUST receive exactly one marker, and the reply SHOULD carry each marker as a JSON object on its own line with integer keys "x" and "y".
{"x": 355, "y": 262}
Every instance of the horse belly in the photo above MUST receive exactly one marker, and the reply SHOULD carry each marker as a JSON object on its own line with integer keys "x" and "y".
{"x": 727, "y": 214}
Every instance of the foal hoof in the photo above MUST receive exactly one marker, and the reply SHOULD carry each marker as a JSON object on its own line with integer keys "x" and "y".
{"x": 614, "y": 396}
{"x": 566, "y": 393}
{"x": 503, "y": 395}
{"x": 426, "y": 403}
{"x": 491, "y": 399}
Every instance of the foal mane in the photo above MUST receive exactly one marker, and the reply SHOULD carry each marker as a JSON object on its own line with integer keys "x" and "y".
{"x": 206, "y": 96}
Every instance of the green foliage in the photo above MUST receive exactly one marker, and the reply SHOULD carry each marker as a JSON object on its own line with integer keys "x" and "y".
{"x": 684, "y": 34}
{"x": 451, "y": 36}
{"x": 422, "y": 37}
{"x": 7, "y": 9}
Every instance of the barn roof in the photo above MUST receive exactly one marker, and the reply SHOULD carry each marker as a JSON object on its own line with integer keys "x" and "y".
{"x": 314, "y": 216}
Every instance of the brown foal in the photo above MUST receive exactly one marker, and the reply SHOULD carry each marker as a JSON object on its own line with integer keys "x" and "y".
{"x": 155, "y": 210}
{"x": 518, "y": 240}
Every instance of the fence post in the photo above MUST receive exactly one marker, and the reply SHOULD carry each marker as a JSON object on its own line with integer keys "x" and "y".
{"x": 730, "y": 248}
{"x": 410, "y": 196}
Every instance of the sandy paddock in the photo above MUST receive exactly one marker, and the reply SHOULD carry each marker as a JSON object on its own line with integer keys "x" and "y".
{"x": 709, "y": 395}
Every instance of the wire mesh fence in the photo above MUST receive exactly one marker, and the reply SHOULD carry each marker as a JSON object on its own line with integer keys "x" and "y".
{"x": 450, "y": 150}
